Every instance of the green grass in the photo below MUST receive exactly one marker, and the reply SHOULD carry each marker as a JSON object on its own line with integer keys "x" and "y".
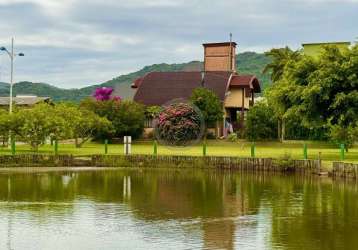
{"x": 329, "y": 152}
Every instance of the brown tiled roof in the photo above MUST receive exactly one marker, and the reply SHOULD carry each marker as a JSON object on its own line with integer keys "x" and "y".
{"x": 158, "y": 88}
{"x": 137, "y": 82}
{"x": 249, "y": 81}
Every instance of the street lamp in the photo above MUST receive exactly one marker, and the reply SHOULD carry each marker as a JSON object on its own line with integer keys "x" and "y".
{"x": 12, "y": 56}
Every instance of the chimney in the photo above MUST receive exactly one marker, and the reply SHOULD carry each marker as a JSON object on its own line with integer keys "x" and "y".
{"x": 220, "y": 56}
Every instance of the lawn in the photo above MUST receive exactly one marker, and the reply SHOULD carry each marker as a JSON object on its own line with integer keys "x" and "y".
{"x": 294, "y": 149}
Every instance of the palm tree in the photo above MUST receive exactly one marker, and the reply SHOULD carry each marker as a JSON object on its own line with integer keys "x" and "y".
{"x": 280, "y": 58}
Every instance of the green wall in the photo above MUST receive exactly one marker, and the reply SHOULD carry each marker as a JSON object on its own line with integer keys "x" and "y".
{"x": 314, "y": 49}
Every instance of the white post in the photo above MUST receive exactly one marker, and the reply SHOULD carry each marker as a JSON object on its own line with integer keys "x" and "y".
{"x": 127, "y": 145}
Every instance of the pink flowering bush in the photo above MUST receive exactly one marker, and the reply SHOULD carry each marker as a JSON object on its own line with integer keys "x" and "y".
{"x": 105, "y": 94}
{"x": 178, "y": 124}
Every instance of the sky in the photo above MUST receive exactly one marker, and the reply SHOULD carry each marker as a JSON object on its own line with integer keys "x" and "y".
{"x": 76, "y": 43}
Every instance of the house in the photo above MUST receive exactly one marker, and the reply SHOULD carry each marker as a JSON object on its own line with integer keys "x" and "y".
{"x": 23, "y": 101}
{"x": 315, "y": 49}
{"x": 236, "y": 91}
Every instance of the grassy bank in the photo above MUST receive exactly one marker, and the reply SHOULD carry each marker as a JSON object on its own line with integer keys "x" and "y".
{"x": 294, "y": 149}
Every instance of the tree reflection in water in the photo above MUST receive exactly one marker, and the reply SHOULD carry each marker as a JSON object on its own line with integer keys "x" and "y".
{"x": 219, "y": 210}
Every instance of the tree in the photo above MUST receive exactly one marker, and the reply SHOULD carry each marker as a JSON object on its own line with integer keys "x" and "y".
{"x": 127, "y": 117}
{"x": 35, "y": 125}
{"x": 88, "y": 125}
{"x": 260, "y": 123}
{"x": 344, "y": 135}
{"x": 82, "y": 124}
{"x": 152, "y": 111}
{"x": 209, "y": 104}
{"x": 322, "y": 91}
{"x": 280, "y": 58}
{"x": 5, "y": 124}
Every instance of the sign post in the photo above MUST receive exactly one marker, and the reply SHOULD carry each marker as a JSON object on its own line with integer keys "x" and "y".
{"x": 127, "y": 145}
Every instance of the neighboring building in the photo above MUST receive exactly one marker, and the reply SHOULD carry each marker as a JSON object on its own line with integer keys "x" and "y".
{"x": 235, "y": 91}
{"x": 23, "y": 101}
{"x": 315, "y": 49}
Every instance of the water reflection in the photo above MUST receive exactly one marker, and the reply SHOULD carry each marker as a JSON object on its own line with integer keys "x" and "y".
{"x": 171, "y": 209}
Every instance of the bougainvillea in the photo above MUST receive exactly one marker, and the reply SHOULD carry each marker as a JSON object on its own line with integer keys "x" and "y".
{"x": 105, "y": 94}
{"x": 178, "y": 124}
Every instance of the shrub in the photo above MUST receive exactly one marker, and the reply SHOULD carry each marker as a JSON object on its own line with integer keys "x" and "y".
{"x": 178, "y": 124}
{"x": 232, "y": 137}
{"x": 127, "y": 117}
{"x": 261, "y": 122}
{"x": 347, "y": 136}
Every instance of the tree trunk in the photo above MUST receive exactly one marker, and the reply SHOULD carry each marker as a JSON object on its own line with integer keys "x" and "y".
{"x": 76, "y": 143}
{"x": 35, "y": 147}
{"x": 283, "y": 130}
{"x": 279, "y": 129}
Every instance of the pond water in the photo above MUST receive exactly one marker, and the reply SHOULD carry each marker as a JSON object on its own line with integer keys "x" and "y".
{"x": 171, "y": 209}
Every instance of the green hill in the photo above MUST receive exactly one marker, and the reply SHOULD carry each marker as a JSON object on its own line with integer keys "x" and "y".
{"x": 247, "y": 63}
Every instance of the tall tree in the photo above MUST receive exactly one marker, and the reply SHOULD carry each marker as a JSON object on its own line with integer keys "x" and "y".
{"x": 127, "y": 117}
{"x": 82, "y": 123}
{"x": 280, "y": 58}
{"x": 209, "y": 104}
{"x": 260, "y": 124}
{"x": 322, "y": 91}
{"x": 35, "y": 125}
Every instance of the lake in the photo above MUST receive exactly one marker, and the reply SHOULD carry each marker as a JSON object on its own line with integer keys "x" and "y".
{"x": 175, "y": 209}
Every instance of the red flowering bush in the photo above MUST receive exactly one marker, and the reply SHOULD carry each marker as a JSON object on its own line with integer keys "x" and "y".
{"x": 178, "y": 124}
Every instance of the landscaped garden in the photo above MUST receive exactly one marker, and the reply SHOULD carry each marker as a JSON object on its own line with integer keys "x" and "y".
{"x": 301, "y": 109}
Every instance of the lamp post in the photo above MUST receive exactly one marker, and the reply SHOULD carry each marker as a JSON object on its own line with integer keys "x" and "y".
{"x": 12, "y": 56}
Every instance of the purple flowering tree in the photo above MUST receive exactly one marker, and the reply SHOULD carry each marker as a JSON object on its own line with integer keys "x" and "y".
{"x": 105, "y": 94}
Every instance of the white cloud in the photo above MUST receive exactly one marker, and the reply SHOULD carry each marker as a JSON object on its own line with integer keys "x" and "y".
{"x": 82, "y": 42}
{"x": 74, "y": 40}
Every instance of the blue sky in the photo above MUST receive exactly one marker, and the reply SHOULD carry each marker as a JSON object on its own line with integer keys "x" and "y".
{"x": 75, "y": 43}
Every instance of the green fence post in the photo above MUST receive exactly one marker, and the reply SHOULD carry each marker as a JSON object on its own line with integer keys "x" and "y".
{"x": 155, "y": 149}
{"x": 13, "y": 145}
{"x": 253, "y": 150}
{"x": 342, "y": 147}
{"x": 305, "y": 156}
{"x": 106, "y": 146}
{"x": 56, "y": 147}
{"x": 204, "y": 148}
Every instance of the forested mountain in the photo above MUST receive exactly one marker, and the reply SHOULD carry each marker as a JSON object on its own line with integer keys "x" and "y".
{"x": 247, "y": 63}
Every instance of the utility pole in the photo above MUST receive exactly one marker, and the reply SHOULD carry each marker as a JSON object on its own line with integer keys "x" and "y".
{"x": 12, "y": 55}
{"x": 11, "y": 73}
